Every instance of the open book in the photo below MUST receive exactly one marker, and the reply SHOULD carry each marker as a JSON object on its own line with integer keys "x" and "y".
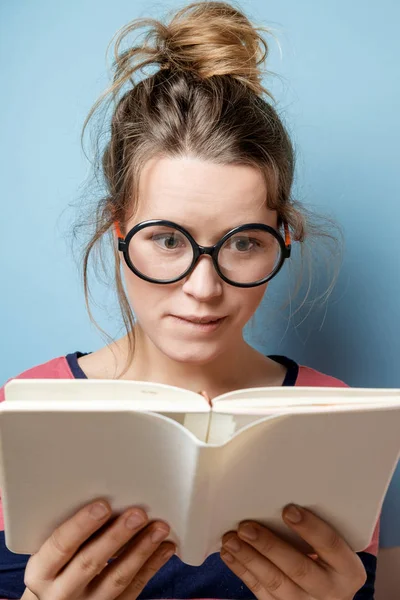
{"x": 201, "y": 468}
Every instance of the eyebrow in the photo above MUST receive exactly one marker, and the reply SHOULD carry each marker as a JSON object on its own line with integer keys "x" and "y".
{"x": 218, "y": 234}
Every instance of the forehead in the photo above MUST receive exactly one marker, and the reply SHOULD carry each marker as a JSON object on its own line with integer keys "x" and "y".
{"x": 198, "y": 194}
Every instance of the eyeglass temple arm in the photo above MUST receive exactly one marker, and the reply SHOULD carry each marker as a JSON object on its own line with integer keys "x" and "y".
{"x": 120, "y": 237}
{"x": 118, "y": 230}
{"x": 288, "y": 241}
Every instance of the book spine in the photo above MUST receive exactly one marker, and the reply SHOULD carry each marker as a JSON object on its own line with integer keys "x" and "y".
{"x": 198, "y": 424}
{"x": 195, "y": 543}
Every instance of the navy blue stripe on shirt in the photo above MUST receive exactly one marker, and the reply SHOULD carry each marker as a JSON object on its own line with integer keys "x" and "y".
{"x": 290, "y": 377}
{"x": 12, "y": 570}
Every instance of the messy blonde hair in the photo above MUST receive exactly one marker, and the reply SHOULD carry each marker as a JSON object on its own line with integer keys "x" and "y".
{"x": 205, "y": 99}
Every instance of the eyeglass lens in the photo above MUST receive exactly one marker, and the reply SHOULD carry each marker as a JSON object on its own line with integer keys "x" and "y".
{"x": 162, "y": 252}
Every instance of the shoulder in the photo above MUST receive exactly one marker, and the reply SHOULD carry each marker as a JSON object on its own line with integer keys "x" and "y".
{"x": 312, "y": 378}
{"x": 56, "y": 368}
{"x": 106, "y": 362}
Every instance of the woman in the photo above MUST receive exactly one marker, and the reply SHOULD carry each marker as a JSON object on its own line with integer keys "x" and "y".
{"x": 198, "y": 169}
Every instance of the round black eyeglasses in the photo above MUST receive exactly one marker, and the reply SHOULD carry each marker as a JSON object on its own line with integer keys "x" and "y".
{"x": 161, "y": 251}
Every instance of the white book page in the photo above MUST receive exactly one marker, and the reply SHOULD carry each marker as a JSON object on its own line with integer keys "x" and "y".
{"x": 229, "y": 418}
{"x": 54, "y": 463}
{"x": 338, "y": 465}
{"x": 138, "y": 395}
{"x": 280, "y": 397}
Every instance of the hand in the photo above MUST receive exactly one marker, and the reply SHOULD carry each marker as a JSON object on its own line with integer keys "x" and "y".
{"x": 273, "y": 570}
{"x": 72, "y": 567}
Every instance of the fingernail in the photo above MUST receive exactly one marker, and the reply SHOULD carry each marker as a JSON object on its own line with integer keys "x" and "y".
{"x": 293, "y": 514}
{"x": 226, "y": 556}
{"x": 134, "y": 520}
{"x": 233, "y": 544}
{"x": 248, "y": 531}
{"x": 98, "y": 511}
{"x": 158, "y": 535}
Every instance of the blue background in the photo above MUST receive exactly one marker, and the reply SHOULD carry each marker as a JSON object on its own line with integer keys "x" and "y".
{"x": 338, "y": 91}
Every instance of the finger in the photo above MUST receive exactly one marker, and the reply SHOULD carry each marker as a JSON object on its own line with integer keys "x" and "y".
{"x": 64, "y": 542}
{"x": 149, "y": 569}
{"x": 259, "y": 574}
{"x": 92, "y": 557}
{"x": 126, "y": 576}
{"x": 305, "y": 572}
{"x": 331, "y": 548}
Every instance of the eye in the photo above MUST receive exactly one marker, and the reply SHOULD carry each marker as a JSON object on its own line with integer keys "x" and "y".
{"x": 168, "y": 241}
{"x": 244, "y": 243}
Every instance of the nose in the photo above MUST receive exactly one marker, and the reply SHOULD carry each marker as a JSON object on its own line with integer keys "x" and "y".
{"x": 203, "y": 283}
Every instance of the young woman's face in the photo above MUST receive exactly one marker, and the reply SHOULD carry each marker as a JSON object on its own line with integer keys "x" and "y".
{"x": 208, "y": 200}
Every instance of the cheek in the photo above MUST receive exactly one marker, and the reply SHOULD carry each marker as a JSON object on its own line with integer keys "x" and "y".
{"x": 142, "y": 295}
{"x": 148, "y": 301}
{"x": 248, "y": 300}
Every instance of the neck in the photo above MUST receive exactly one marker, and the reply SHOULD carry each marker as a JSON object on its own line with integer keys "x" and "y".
{"x": 239, "y": 367}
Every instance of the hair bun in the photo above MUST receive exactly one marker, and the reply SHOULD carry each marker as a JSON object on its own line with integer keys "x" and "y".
{"x": 213, "y": 38}
{"x": 206, "y": 38}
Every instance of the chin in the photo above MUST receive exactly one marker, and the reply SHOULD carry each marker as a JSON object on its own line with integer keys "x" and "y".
{"x": 190, "y": 352}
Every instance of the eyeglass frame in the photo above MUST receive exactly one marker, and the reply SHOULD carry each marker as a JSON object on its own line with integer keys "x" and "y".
{"x": 198, "y": 250}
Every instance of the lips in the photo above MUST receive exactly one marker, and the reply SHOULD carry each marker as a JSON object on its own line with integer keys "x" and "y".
{"x": 195, "y": 325}
{"x": 199, "y": 320}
